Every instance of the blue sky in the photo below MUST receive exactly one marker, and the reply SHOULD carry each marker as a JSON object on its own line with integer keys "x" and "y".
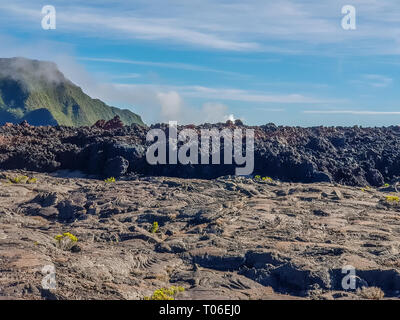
{"x": 289, "y": 62}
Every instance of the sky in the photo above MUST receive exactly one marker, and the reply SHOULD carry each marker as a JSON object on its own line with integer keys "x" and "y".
{"x": 289, "y": 62}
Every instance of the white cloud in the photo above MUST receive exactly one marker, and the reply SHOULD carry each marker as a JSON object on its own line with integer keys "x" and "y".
{"x": 127, "y": 76}
{"x": 254, "y": 25}
{"x": 233, "y": 94}
{"x": 379, "y": 81}
{"x": 157, "y": 103}
{"x": 213, "y": 112}
{"x": 171, "y": 105}
{"x": 271, "y": 109}
{"x": 174, "y": 108}
{"x": 90, "y": 21}
{"x": 373, "y": 80}
{"x": 353, "y": 112}
{"x": 246, "y": 95}
{"x": 171, "y": 65}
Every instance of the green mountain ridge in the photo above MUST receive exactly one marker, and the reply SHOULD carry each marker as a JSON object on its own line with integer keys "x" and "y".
{"x": 38, "y": 92}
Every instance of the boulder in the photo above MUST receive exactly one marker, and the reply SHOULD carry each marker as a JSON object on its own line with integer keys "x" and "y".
{"x": 116, "y": 167}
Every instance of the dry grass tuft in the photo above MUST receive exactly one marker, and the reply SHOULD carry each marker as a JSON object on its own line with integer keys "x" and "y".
{"x": 371, "y": 293}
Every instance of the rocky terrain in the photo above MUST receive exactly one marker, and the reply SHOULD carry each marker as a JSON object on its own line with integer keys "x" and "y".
{"x": 320, "y": 199}
{"x": 226, "y": 238}
{"x": 350, "y": 156}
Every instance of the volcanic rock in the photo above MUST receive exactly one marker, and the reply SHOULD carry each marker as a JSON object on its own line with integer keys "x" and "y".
{"x": 260, "y": 240}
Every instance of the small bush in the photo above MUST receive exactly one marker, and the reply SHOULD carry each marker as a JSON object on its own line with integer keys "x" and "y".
{"x": 110, "y": 180}
{"x": 22, "y": 179}
{"x": 258, "y": 177}
{"x": 154, "y": 228}
{"x": 65, "y": 241}
{"x": 19, "y": 179}
{"x": 392, "y": 199}
{"x": 165, "y": 294}
{"x": 371, "y": 293}
{"x": 365, "y": 189}
{"x": 31, "y": 181}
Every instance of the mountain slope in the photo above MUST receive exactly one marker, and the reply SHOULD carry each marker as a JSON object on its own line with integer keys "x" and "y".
{"x": 38, "y": 92}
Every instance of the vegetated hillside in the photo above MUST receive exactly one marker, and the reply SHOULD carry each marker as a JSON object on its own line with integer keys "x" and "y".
{"x": 38, "y": 92}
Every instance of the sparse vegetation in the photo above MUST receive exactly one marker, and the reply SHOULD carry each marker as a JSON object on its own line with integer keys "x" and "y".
{"x": 392, "y": 199}
{"x": 32, "y": 181}
{"x": 65, "y": 241}
{"x": 258, "y": 177}
{"x": 154, "y": 228}
{"x": 110, "y": 180}
{"x": 22, "y": 180}
{"x": 165, "y": 294}
{"x": 371, "y": 293}
{"x": 19, "y": 179}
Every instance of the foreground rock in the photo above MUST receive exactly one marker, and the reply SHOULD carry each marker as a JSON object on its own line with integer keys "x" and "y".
{"x": 228, "y": 238}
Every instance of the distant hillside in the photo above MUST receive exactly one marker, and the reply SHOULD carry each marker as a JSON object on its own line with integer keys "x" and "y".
{"x": 38, "y": 92}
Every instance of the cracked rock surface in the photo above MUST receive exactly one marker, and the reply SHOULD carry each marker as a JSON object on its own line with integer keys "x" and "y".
{"x": 226, "y": 238}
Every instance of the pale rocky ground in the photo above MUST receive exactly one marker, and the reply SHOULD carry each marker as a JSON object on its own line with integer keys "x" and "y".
{"x": 229, "y": 238}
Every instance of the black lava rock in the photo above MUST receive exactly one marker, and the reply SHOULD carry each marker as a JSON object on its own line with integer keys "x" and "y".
{"x": 116, "y": 167}
{"x": 347, "y": 155}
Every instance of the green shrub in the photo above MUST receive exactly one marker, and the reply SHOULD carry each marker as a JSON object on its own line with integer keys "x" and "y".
{"x": 110, "y": 180}
{"x": 32, "y": 181}
{"x": 22, "y": 179}
{"x": 392, "y": 199}
{"x": 19, "y": 179}
{"x": 165, "y": 294}
{"x": 258, "y": 177}
{"x": 65, "y": 241}
{"x": 154, "y": 228}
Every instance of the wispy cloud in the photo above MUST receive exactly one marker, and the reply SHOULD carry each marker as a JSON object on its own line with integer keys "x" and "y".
{"x": 373, "y": 80}
{"x": 377, "y": 80}
{"x": 170, "y": 65}
{"x": 127, "y": 76}
{"x": 255, "y": 25}
{"x": 227, "y": 39}
{"x": 353, "y": 112}
{"x": 233, "y": 94}
{"x": 129, "y": 25}
{"x": 270, "y": 109}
